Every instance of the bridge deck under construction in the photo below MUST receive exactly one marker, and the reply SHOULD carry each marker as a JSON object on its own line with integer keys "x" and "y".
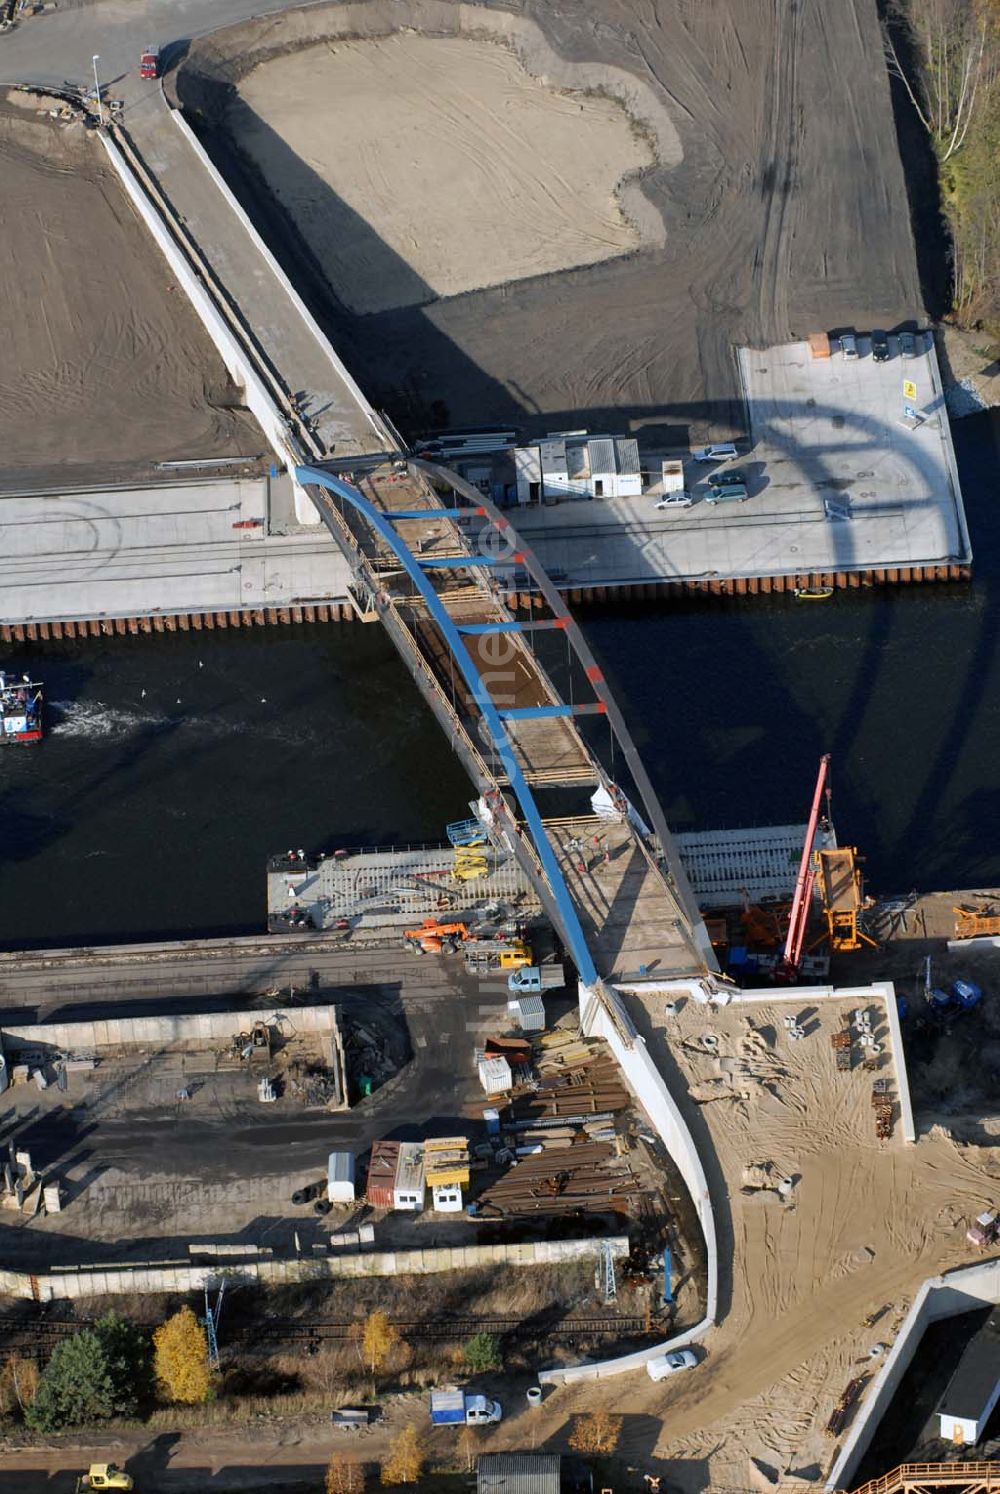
{"x": 435, "y": 566}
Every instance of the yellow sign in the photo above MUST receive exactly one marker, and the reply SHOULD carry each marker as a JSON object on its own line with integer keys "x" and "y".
{"x": 909, "y": 389}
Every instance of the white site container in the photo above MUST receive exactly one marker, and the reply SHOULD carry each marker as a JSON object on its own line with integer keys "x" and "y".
{"x": 494, "y": 1075}
{"x": 409, "y": 1188}
{"x": 528, "y": 1012}
{"x": 447, "y": 1198}
{"x": 340, "y": 1178}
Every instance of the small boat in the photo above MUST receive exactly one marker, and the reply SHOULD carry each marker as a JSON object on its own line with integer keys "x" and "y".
{"x": 20, "y": 709}
{"x": 813, "y": 593}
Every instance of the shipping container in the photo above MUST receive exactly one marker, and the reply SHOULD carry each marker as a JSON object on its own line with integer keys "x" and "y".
{"x": 382, "y": 1174}
{"x": 819, "y": 344}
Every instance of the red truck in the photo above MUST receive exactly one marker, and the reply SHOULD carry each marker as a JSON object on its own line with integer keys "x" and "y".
{"x": 149, "y": 63}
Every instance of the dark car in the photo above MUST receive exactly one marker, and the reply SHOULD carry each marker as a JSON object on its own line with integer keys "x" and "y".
{"x": 728, "y": 475}
{"x": 880, "y": 347}
{"x": 907, "y": 344}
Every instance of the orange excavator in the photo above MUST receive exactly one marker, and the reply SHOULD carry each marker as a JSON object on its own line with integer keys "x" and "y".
{"x": 435, "y": 937}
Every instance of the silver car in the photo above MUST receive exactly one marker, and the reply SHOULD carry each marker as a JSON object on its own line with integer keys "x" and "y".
{"x": 721, "y": 451}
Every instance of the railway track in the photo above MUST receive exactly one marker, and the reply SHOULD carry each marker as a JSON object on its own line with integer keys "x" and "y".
{"x": 39, "y": 1336}
{"x": 295, "y": 1330}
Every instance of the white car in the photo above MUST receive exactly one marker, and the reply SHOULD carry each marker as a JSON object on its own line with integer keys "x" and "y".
{"x": 721, "y": 451}
{"x": 675, "y": 500}
{"x": 849, "y": 345}
{"x": 670, "y": 1364}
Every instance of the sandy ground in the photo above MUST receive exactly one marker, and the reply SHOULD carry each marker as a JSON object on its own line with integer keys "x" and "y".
{"x": 105, "y": 370}
{"x": 437, "y": 166}
{"x": 866, "y": 1223}
{"x": 783, "y": 210}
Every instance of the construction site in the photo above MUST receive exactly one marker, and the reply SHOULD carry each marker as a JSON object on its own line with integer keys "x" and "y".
{"x": 636, "y": 1104}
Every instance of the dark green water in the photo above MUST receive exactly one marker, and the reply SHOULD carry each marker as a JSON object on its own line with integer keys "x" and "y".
{"x": 152, "y": 815}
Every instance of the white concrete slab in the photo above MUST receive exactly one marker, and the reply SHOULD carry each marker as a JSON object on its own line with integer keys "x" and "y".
{"x": 127, "y": 552}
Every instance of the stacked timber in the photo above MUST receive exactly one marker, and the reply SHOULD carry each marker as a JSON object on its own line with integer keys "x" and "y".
{"x": 561, "y": 1050}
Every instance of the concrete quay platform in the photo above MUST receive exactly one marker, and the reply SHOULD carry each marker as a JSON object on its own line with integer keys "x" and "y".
{"x": 181, "y": 548}
{"x": 842, "y": 492}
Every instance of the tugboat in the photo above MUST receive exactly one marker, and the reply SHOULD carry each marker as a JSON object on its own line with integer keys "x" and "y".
{"x": 20, "y": 709}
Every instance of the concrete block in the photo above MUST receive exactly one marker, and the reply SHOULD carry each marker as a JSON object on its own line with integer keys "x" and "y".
{"x": 19, "y": 1073}
{"x": 40, "y": 1080}
{"x": 53, "y": 1199}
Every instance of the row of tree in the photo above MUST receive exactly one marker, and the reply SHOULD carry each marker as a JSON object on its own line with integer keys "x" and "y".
{"x": 947, "y": 55}
{"x": 111, "y": 1369}
{"x": 594, "y": 1434}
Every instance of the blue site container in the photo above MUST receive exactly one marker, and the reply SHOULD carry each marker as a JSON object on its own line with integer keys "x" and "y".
{"x": 737, "y": 955}
{"x": 967, "y": 994}
{"x": 902, "y": 1007}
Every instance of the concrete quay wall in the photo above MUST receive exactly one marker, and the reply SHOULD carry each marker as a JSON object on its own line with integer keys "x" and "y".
{"x": 939, "y": 1297}
{"x": 125, "y": 1032}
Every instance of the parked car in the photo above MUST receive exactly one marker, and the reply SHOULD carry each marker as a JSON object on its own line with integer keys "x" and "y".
{"x": 728, "y": 476}
{"x": 675, "y": 500}
{"x": 671, "y": 1364}
{"x": 848, "y": 345}
{"x": 730, "y": 492}
{"x": 880, "y": 347}
{"x": 907, "y": 344}
{"x": 720, "y": 451}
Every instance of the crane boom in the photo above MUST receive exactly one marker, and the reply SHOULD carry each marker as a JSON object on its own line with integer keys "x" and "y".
{"x": 804, "y": 882}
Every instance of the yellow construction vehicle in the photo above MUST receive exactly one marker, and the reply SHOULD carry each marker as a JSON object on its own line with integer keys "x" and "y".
{"x": 104, "y": 1476}
{"x": 435, "y": 937}
{"x": 470, "y": 865}
{"x": 972, "y": 924}
{"x": 514, "y": 956}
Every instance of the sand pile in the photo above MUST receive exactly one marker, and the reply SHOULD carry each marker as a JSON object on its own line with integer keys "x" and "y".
{"x": 417, "y": 167}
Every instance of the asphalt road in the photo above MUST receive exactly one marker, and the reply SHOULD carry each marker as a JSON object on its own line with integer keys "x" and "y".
{"x": 428, "y": 1008}
{"x": 59, "y": 45}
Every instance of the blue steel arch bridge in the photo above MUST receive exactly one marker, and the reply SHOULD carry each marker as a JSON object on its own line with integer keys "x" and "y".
{"x": 558, "y": 777}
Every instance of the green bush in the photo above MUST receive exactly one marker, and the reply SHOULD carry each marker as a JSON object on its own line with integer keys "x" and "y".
{"x": 482, "y": 1353}
{"x": 99, "y": 1373}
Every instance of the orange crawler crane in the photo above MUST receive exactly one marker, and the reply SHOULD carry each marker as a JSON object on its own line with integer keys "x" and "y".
{"x": 842, "y": 897}
{"x": 434, "y": 937}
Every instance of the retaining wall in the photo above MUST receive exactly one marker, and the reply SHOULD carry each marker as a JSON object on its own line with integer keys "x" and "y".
{"x": 124, "y": 1032}
{"x": 308, "y": 513}
{"x": 939, "y": 1297}
{"x": 648, "y": 1085}
{"x": 121, "y": 1280}
{"x": 240, "y": 365}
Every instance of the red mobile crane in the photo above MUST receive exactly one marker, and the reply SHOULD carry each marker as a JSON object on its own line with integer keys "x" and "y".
{"x": 787, "y": 973}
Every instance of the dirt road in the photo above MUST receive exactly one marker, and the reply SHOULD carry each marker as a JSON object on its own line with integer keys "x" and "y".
{"x": 783, "y": 209}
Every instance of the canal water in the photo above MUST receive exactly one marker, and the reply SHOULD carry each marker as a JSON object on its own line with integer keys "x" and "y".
{"x": 174, "y": 765}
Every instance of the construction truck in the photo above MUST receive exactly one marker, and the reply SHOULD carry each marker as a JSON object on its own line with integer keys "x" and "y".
{"x": 435, "y": 937}
{"x": 487, "y": 957}
{"x": 104, "y": 1476}
{"x": 536, "y": 978}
